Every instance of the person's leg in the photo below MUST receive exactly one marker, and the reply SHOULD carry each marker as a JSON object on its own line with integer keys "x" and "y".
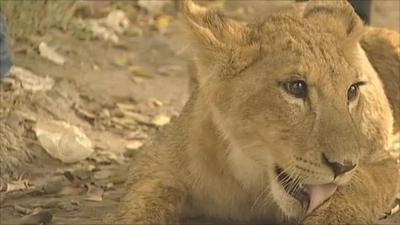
{"x": 5, "y": 54}
{"x": 363, "y": 9}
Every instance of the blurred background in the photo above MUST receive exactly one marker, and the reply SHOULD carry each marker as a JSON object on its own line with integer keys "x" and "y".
{"x": 92, "y": 82}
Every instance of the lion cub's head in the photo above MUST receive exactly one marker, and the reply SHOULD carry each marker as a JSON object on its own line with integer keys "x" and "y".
{"x": 295, "y": 94}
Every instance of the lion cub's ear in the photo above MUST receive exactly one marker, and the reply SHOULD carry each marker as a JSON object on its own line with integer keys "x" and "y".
{"x": 219, "y": 40}
{"x": 338, "y": 17}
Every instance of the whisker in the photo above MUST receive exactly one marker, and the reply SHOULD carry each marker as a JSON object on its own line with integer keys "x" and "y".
{"x": 258, "y": 198}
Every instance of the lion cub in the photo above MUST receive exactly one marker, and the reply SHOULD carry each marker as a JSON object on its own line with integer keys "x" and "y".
{"x": 288, "y": 120}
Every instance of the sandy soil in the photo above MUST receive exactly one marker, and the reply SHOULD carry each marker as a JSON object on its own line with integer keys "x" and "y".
{"x": 145, "y": 72}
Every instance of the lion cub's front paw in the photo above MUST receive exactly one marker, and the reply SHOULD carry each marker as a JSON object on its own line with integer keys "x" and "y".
{"x": 329, "y": 214}
{"x": 322, "y": 219}
{"x": 333, "y": 219}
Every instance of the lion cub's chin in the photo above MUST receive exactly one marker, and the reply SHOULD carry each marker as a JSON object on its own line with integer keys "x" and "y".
{"x": 289, "y": 205}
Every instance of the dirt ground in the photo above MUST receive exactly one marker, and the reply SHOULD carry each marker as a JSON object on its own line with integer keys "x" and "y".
{"x": 118, "y": 93}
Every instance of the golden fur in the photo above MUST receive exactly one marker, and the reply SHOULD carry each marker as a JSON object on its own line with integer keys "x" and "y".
{"x": 217, "y": 160}
{"x": 383, "y": 51}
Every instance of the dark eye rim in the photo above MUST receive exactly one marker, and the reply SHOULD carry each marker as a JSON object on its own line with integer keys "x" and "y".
{"x": 357, "y": 85}
{"x": 285, "y": 85}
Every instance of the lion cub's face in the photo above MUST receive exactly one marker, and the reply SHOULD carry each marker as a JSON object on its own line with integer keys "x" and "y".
{"x": 292, "y": 95}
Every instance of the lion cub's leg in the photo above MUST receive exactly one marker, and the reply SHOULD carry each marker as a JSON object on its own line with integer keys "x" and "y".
{"x": 153, "y": 196}
{"x": 369, "y": 194}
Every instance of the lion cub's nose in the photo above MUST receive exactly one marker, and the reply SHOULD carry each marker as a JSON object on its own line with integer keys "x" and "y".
{"x": 339, "y": 168}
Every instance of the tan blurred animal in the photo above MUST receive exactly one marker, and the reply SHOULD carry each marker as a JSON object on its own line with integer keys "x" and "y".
{"x": 288, "y": 119}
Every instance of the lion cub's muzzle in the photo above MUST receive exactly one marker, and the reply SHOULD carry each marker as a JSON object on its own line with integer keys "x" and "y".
{"x": 339, "y": 168}
{"x": 312, "y": 196}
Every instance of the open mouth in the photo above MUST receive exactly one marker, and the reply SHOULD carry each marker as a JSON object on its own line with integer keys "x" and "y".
{"x": 309, "y": 196}
{"x": 293, "y": 187}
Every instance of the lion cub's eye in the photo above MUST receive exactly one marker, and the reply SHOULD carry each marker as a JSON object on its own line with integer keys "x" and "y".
{"x": 297, "y": 88}
{"x": 353, "y": 91}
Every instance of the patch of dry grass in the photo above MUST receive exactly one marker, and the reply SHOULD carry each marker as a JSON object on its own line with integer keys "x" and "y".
{"x": 26, "y": 17}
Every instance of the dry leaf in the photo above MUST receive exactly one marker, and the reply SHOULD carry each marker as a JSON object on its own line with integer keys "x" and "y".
{"x": 138, "y": 71}
{"x": 156, "y": 103}
{"x": 121, "y": 61}
{"x": 136, "y": 135}
{"x": 163, "y": 21}
{"x": 84, "y": 113}
{"x": 107, "y": 157}
{"x": 124, "y": 121}
{"x": 126, "y": 106}
{"x": 137, "y": 117}
{"x": 161, "y": 120}
{"x": 133, "y": 145}
{"x": 168, "y": 70}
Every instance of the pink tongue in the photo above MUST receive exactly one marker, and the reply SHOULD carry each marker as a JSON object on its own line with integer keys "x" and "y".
{"x": 319, "y": 194}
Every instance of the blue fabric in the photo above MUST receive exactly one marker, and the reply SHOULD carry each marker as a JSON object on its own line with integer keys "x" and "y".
{"x": 5, "y": 54}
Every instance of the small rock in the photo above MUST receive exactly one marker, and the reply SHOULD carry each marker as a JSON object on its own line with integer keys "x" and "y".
{"x": 134, "y": 31}
{"x": 22, "y": 209}
{"x": 69, "y": 191}
{"x": 105, "y": 113}
{"x": 94, "y": 193}
{"x": 102, "y": 32}
{"x": 53, "y": 187}
{"x": 63, "y": 141}
{"x": 103, "y": 174}
{"x": 27, "y": 115}
{"x": 108, "y": 28}
{"x": 18, "y": 185}
{"x": 49, "y": 53}
{"x": 31, "y": 81}
{"x": 152, "y": 6}
{"x": 117, "y": 21}
{"x": 40, "y": 217}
